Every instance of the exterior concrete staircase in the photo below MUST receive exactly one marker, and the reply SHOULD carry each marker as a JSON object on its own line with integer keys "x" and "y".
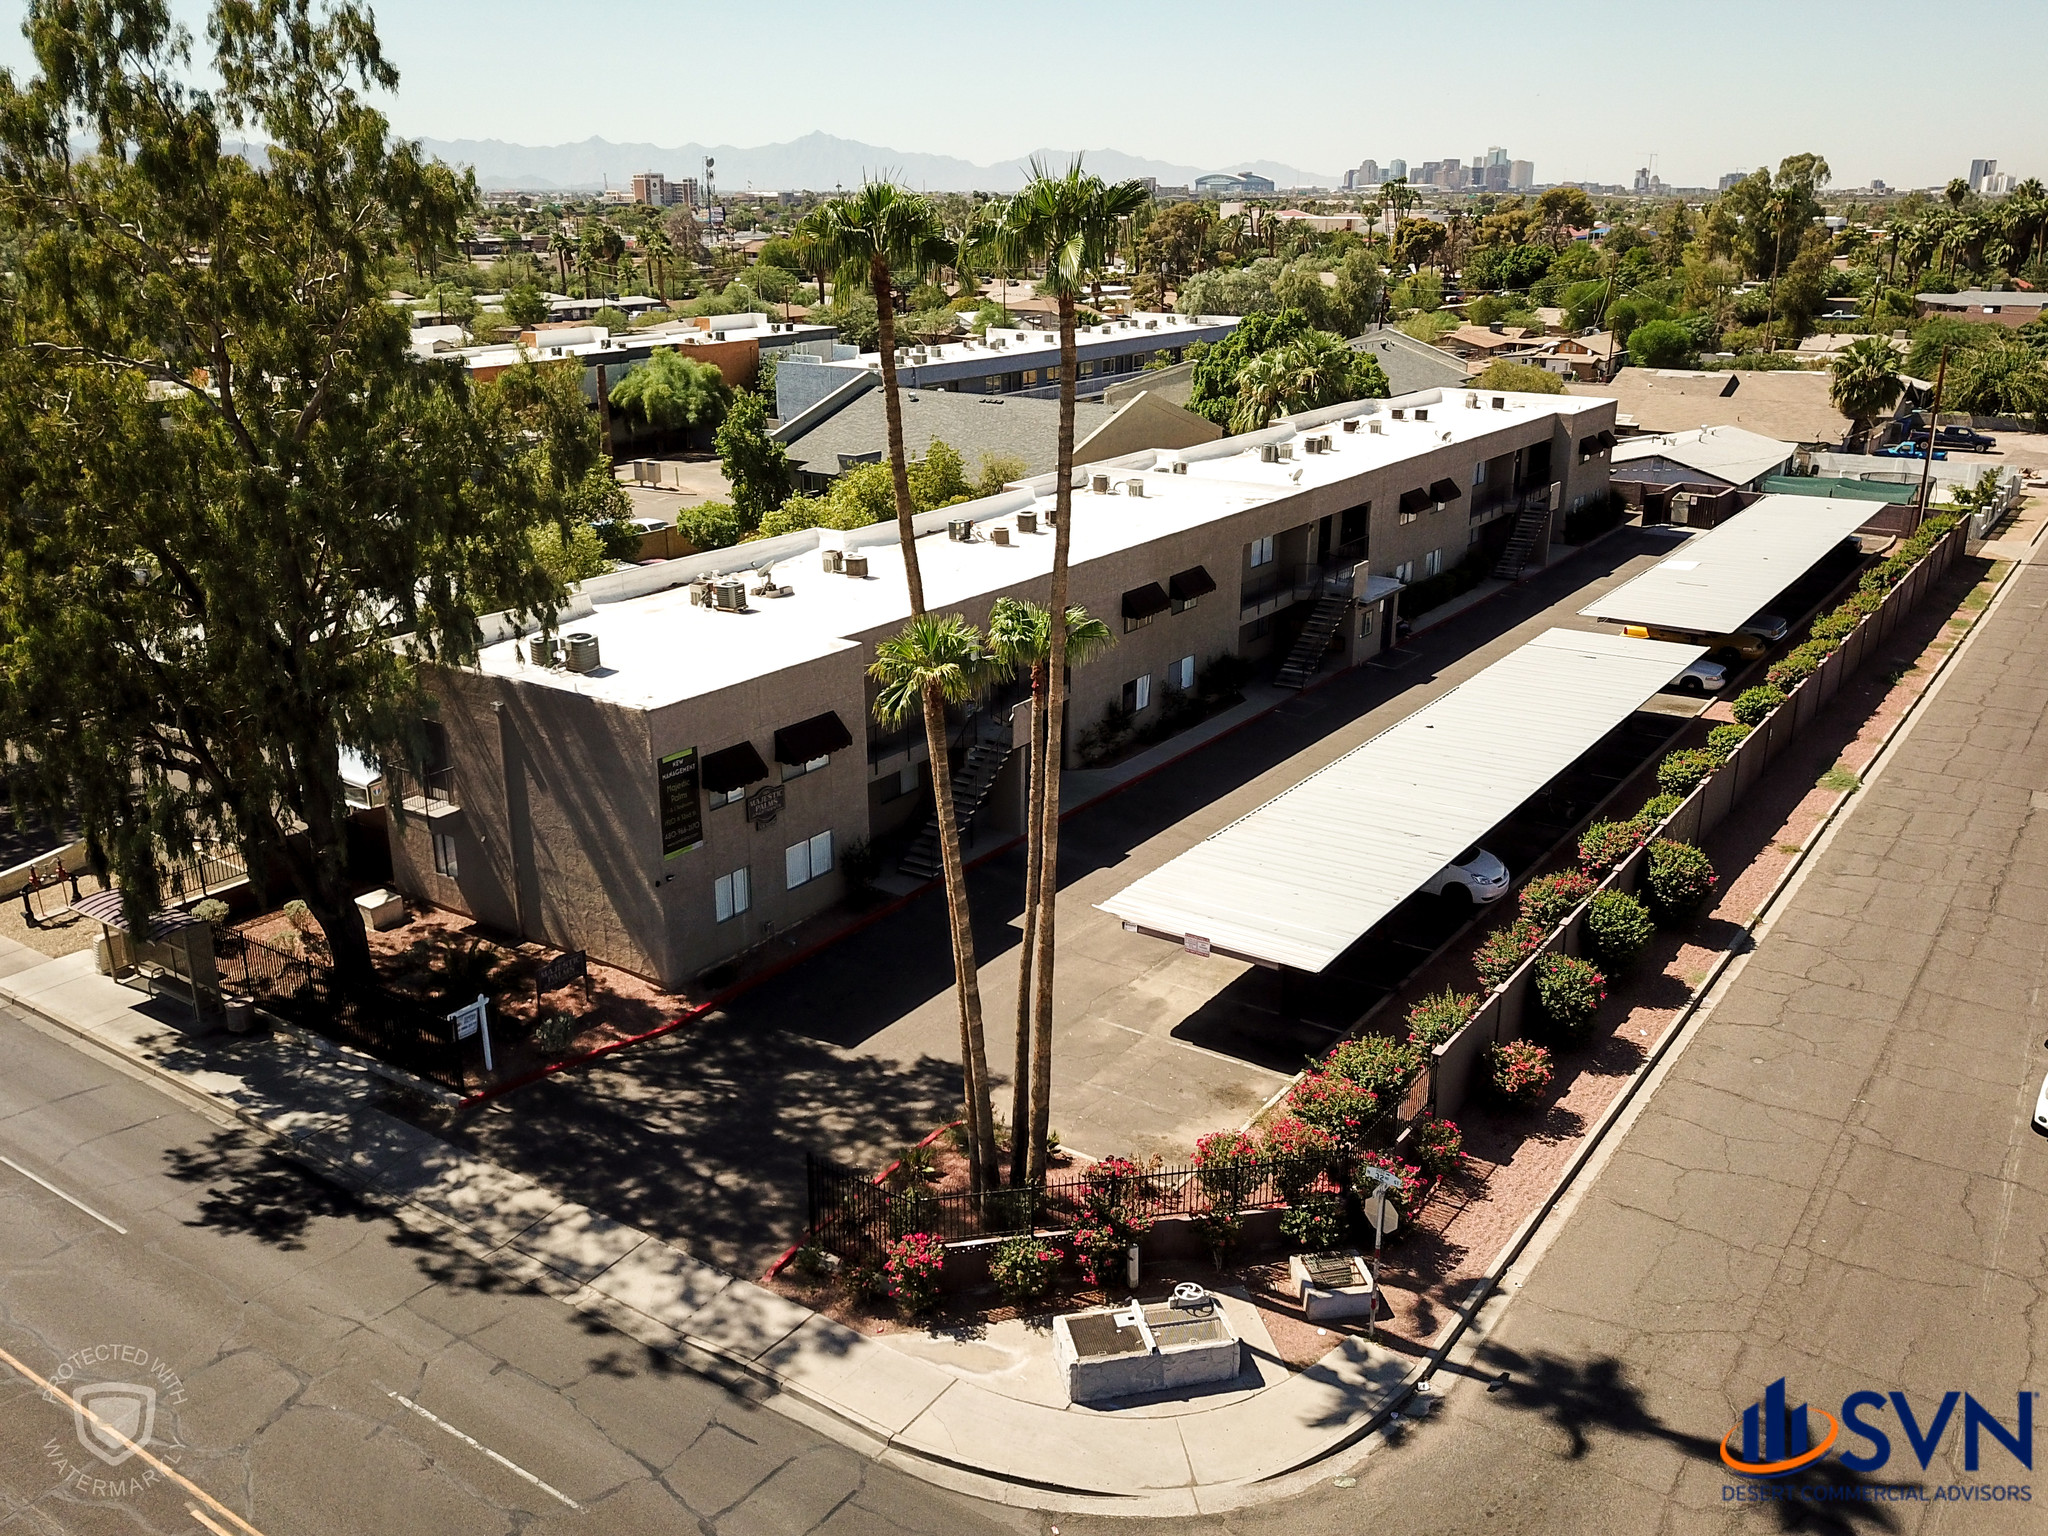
{"x": 971, "y": 786}
{"x": 1521, "y": 545}
{"x": 1306, "y": 659}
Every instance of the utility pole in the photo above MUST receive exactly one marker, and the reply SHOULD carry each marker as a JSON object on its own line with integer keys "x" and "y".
{"x": 1927, "y": 463}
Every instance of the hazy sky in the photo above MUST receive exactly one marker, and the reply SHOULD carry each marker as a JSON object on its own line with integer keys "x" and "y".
{"x": 1587, "y": 89}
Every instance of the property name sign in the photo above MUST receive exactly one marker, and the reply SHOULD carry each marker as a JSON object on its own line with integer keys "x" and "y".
{"x": 682, "y": 813}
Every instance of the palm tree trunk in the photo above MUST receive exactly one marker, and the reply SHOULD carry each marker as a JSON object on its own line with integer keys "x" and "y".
{"x": 1021, "y": 1092}
{"x": 899, "y": 469}
{"x": 975, "y": 1108}
{"x": 1049, "y": 806}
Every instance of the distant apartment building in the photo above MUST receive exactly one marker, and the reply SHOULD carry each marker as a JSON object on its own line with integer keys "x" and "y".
{"x": 1521, "y": 175}
{"x": 1397, "y": 170}
{"x": 1732, "y": 180}
{"x": 653, "y": 189}
{"x": 680, "y": 774}
{"x": 1979, "y": 169}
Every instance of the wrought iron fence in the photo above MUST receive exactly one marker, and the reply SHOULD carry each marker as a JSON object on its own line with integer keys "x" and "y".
{"x": 301, "y": 988}
{"x": 203, "y": 873}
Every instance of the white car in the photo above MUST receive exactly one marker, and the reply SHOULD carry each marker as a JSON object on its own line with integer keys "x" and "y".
{"x": 2041, "y": 1108}
{"x": 1475, "y": 873}
{"x": 1702, "y": 676}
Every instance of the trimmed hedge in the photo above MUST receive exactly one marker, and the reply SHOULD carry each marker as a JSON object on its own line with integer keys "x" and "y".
{"x": 1655, "y": 809}
{"x": 1607, "y": 843}
{"x": 1501, "y": 952}
{"x": 1377, "y": 1063}
{"x": 1436, "y": 1018}
{"x": 1519, "y": 1071}
{"x": 1549, "y": 901}
{"x": 1724, "y": 739}
{"x": 1570, "y": 992}
{"x": 1789, "y": 673}
{"x": 1683, "y": 772}
{"x": 1752, "y": 704}
{"x": 1619, "y": 926}
{"x": 1681, "y": 877}
{"x": 1439, "y": 1147}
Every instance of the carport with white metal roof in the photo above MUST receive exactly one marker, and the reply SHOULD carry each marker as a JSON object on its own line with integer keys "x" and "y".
{"x": 1297, "y": 882}
{"x": 1717, "y": 581}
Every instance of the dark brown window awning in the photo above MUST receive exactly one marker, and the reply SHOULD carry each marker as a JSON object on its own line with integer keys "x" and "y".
{"x": 1444, "y": 490}
{"x": 1414, "y": 501}
{"x": 1191, "y": 583}
{"x": 733, "y": 768}
{"x": 813, "y": 738}
{"x": 1143, "y": 602}
{"x": 1606, "y": 440}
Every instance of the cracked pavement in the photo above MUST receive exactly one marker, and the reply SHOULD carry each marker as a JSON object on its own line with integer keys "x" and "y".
{"x": 290, "y": 1313}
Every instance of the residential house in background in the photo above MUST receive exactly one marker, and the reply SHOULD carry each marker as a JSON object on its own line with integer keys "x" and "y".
{"x": 1791, "y": 405}
{"x": 1991, "y": 306}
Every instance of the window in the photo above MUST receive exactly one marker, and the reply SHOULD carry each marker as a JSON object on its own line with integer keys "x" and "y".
{"x": 733, "y": 893}
{"x": 992, "y": 383}
{"x": 727, "y": 796}
{"x": 1258, "y": 629}
{"x": 1180, "y": 675}
{"x": 807, "y": 861}
{"x": 905, "y": 781}
{"x": 1366, "y": 614}
{"x": 1479, "y": 473}
{"x": 1262, "y": 552}
{"x": 1030, "y": 375}
{"x": 1405, "y": 571}
{"x": 1138, "y": 694}
{"x": 444, "y": 855}
{"x": 798, "y": 770}
{"x": 1087, "y": 370}
{"x": 1433, "y": 562}
{"x": 1052, "y": 375}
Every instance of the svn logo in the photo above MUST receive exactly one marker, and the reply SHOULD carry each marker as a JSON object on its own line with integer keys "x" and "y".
{"x": 1779, "y": 1440}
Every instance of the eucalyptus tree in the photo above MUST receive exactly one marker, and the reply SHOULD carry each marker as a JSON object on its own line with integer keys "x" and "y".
{"x": 1061, "y": 226}
{"x": 237, "y": 515}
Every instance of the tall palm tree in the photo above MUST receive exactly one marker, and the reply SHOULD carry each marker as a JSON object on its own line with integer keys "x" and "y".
{"x": 1020, "y": 636}
{"x": 1060, "y": 226}
{"x": 864, "y": 238}
{"x": 808, "y": 236}
{"x": 661, "y": 253}
{"x": 1866, "y": 383}
{"x": 933, "y": 662}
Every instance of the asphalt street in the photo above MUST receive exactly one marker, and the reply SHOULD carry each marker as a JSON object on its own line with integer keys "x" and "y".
{"x": 317, "y": 1367}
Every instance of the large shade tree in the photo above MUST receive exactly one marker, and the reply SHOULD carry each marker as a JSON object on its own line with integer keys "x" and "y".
{"x": 229, "y": 487}
{"x": 1061, "y": 226}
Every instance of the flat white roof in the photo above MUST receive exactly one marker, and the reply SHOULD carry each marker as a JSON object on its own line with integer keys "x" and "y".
{"x": 1040, "y": 348}
{"x": 1720, "y": 579}
{"x": 1300, "y": 879}
{"x": 657, "y": 647}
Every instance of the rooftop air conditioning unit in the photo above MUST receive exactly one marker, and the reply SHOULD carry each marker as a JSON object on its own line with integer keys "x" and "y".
{"x": 716, "y": 336}
{"x": 1351, "y": 424}
{"x": 700, "y": 592}
{"x": 579, "y": 651}
{"x": 829, "y": 559}
{"x": 856, "y": 565}
{"x": 1471, "y": 401}
{"x": 1287, "y": 450}
{"x": 1134, "y": 487}
{"x": 1400, "y": 413}
{"x": 1376, "y": 427}
{"x": 1500, "y": 403}
{"x": 1421, "y": 413}
{"x": 960, "y": 530}
{"x": 1027, "y": 522}
{"x": 917, "y": 354}
{"x": 1269, "y": 453}
{"x": 1180, "y": 466}
{"x": 729, "y": 595}
{"x": 544, "y": 650}
{"x": 1151, "y": 325}
{"x": 999, "y": 536}
{"x": 1312, "y": 445}
{"x": 1099, "y": 484}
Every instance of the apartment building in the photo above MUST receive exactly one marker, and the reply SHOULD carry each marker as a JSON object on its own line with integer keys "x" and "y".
{"x": 679, "y": 774}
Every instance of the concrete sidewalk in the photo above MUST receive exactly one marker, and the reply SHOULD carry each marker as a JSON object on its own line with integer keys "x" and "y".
{"x": 1187, "y": 1456}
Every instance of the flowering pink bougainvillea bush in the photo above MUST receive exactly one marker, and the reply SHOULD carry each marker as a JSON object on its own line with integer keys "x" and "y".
{"x": 913, "y": 1265}
{"x": 1519, "y": 1071}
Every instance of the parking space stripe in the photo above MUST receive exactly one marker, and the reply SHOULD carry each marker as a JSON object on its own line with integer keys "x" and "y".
{"x": 510, "y": 1466}
{"x": 68, "y": 1199}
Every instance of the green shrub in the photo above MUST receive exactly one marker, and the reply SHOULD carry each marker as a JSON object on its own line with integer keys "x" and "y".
{"x": 553, "y": 1030}
{"x": 1816, "y": 651}
{"x": 1860, "y": 603}
{"x": 1226, "y": 1162}
{"x": 1570, "y": 992}
{"x": 913, "y": 1266}
{"x": 1414, "y": 1187}
{"x": 299, "y": 915}
{"x": 1378, "y": 1063}
{"x": 1550, "y": 900}
{"x": 1023, "y": 1268}
{"x": 212, "y": 911}
{"x": 1752, "y": 704}
{"x": 1436, "y": 1018}
{"x": 1681, "y": 877}
{"x": 1501, "y": 952}
{"x": 1519, "y": 1071}
{"x": 1317, "y": 1223}
{"x": 1439, "y": 1147}
{"x": 1789, "y": 673}
{"x": 1620, "y": 926}
{"x": 1607, "y": 843}
{"x": 1654, "y": 810}
{"x": 1683, "y": 772}
{"x": 1835, "y": 627}
{"x": 1722, "y": 740}
{"x": 1299, "y": 1154}
{"x": 1334, "y": 1104}
{"x": 1221, "y": 1229}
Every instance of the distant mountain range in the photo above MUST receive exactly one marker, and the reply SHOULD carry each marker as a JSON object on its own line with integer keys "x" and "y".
{"x": 817, "y": 162}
